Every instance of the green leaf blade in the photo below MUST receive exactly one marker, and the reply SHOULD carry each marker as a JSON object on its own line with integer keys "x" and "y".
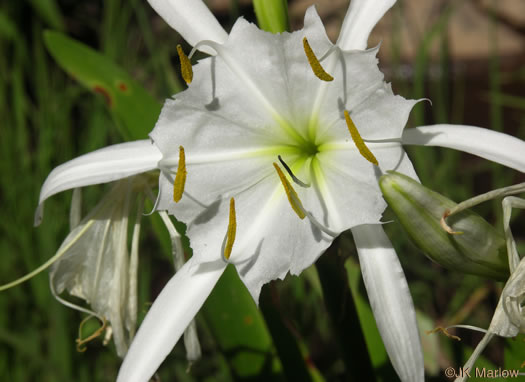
{"x": 127, "y": 100}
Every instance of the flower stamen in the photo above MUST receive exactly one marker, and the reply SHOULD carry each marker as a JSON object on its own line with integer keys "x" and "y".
{"x": 444, "y": 331}
{"x": 180, "y": 177}
{"x": 293, "y": 198}
{"x": 185, "y": 65}
{"x": 294, "y": 178}
{"x": 232, "y": 231}
{"x": 314, "y": 62}
{"x": 360, "y": 144}
{"x": 81, "y": 342}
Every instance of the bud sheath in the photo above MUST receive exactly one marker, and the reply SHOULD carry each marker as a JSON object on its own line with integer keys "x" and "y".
{"x": 479, "y": 250}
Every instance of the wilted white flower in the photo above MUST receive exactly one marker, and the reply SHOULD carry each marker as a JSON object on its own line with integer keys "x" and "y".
{"x": 95, "y": 263}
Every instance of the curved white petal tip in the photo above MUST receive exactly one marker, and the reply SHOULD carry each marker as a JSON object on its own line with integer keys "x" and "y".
{"x": 361, "y": 17}
{"x": 390, "y": 300}
{"x": 192, "y": 19}
{"x": 170, "y": 314}
{"x": 101, "y": 166}
{"x": 492, "y": 145}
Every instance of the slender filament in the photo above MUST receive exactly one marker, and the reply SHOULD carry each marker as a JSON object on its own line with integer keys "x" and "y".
{"x": 314, "y": 63}
{"x": 293, "y": 198}
{"x": 185, "y": 66}
{"x": 360, "y": 144}
{"x": 232, "y": 230}
{"x": 180, "y": 177}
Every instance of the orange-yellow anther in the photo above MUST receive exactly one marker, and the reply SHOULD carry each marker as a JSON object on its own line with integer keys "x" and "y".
{"x": 360, "y": 144}
{"x": 314, "y": 62}
{"x": 185, "y": 65}
{"x": 232, "y": 230}
{"x": 180, "y": 177}
{"x": 293, "y": 198}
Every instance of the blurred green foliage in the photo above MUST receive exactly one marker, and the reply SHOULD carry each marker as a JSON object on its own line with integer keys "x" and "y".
{"x": 49, "y": 118}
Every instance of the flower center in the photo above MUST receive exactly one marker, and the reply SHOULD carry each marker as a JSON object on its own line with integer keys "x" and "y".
{"x": 309, "y": 148}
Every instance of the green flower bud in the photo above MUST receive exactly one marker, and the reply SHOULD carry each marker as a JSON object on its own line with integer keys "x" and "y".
{"x": 479, "y": 250}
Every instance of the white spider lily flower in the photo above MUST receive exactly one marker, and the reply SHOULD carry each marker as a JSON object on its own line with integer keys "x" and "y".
{"x": 254, "y": 108}
{"x": 256, "y": 100}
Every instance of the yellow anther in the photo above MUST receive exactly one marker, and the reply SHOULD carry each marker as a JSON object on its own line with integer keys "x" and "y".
{"x": 293, "y": 198}
{"x": 314, "y": 63}
{"x": 185, "y": 65}
{"x": 180, "y": 177}
{"x": 232, "y": 230}
{"x": 363, "y": 150}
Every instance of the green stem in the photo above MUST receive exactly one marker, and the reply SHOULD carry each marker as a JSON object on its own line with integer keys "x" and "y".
{"x": 272, "y": 15}
{"x": 294, "y": 366}
{"x": 343, "y": 314}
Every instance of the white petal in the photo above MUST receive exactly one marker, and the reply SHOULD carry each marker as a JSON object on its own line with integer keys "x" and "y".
{"x": 192, "y": 19}
{"x": 271, "y": 240}
{"x": 390, "y": 300}
{"x": 492, "y": 145}
{"x": 315, "y": 31}
{"x": 260, "y": 83}
{"x": 361, "y": 17}
{"x": 168, "y": 317}
{"x": 377, "y": 115}
{"x": 101, "y": 166}
{"x": 351, "y": 193}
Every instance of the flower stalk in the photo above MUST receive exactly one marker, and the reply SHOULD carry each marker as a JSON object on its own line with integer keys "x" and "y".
{"x": 341, "y": 308}
{"x": 272, "y": 15}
